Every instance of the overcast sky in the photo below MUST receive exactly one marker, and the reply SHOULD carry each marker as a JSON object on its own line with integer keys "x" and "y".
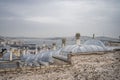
{"x": 58, "y": 18}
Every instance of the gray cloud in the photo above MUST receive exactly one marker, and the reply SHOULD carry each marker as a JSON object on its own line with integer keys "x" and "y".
{"x": 48, "y": 18}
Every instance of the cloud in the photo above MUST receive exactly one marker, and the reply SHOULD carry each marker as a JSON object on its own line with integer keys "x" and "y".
{"x": 63, "y": 16}
{"x": 46, "y": 20}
